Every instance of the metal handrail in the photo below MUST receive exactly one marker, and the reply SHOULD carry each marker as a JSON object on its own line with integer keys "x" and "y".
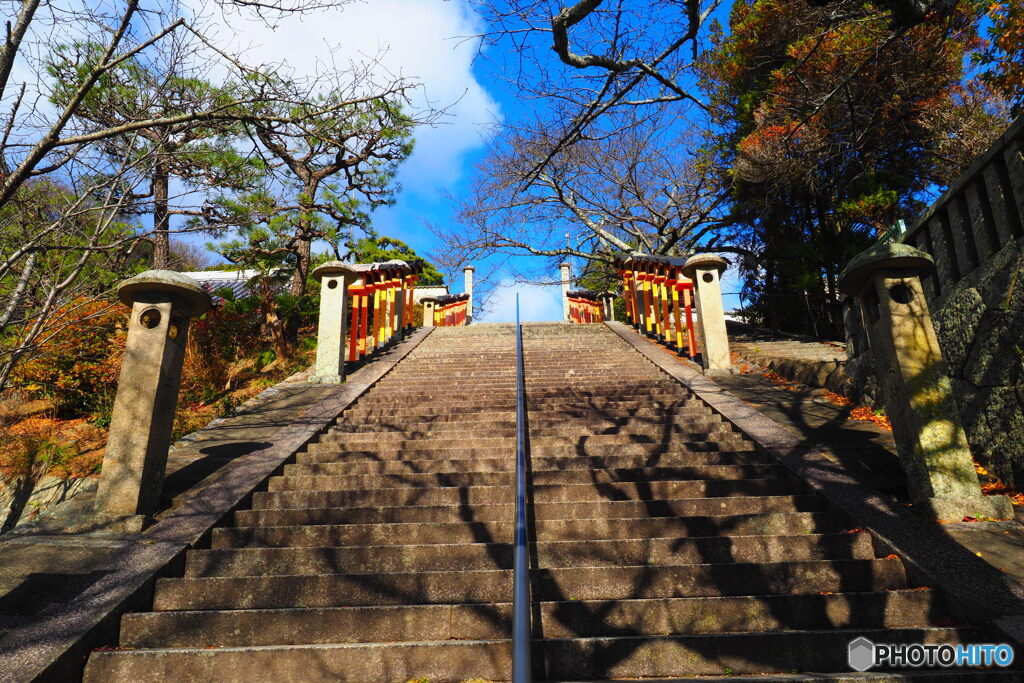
{"x": 521, "y": 663}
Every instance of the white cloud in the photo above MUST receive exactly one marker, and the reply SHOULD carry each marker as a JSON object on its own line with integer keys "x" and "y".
{"x": 537, "y": 303}
{"x": 417, "y": 39}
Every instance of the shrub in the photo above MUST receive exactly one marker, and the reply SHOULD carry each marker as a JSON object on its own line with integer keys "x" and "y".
{"x": 216, "y": 341}
{"x": 73, "y": 364}
{"x": 265, "y": 358}
{"x": 29, "y": 455}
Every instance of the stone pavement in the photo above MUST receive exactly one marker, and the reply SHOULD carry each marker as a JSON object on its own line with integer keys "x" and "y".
{"x": 863, "y": 448}
{"x": 801, "y": 359}
{"x": 64, "y": 585}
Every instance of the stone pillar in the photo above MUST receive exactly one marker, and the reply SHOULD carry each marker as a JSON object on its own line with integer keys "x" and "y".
{"x": 930, "y": 441}
{"x": 335, "y": 278}
{"x": 429, "y": 305}
{"x": 163, "y": 303}
{"x": 467, "y": 274}
{"x": 705, "y": 270}
{"x": 609, "y": 306}
{"x": 565, "y": 274}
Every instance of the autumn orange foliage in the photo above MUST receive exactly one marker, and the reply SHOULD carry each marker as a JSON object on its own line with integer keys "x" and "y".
{"x": 1004, "y": 56}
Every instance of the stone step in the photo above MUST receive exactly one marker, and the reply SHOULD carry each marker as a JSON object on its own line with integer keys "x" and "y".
{"x": 445, "y": 396}
{"x": 346, "y": 480}
{"x": 602, "y": 375}
{"x": 298, "y": 480}
{"x": 665, "y": 543}
{"x": 538, "y": 426}
{"x": 561, "y": 584}
{"x": 586, "y": 618}
{"x": 467, "y": 556}
{"x": 346, "y": 442}
{"x": 714, "y": 654}
{"x": 429, "y": 415}
{"x": 554, "y": 659}
{"x": 684, "y": 428}
{"x": 379, "y": 514}
{"x": 506, "y": 463}
{"x": 623, "y": 384}
{"x": 545, "y": 530}
{"x": 612, "y": 406}
{"x": 599, "y": 375}
{"x": 534, "y": 397}
{"x": 331, "y": 452}
{"x": 657, "y": 492}
{"x": 441, "y": 660}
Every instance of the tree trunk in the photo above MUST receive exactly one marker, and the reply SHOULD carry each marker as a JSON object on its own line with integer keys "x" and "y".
{"x": 304, "y": 248}
{"x": 298, "y": 284}
{"x": 282, "y": 349}
{"x": 161, "y": 218}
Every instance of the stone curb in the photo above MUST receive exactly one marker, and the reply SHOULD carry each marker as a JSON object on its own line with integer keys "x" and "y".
{"x": 54, "y": 647}
{"x": 976, "y": 591}
{"x": 829, "y": 375}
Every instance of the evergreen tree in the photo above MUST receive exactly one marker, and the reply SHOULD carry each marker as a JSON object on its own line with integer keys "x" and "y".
{"x": 376, "y": 248}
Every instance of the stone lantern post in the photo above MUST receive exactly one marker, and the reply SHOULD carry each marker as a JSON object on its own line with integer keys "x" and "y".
{"x": 566, "y": 275}
{"x": 930, "y": 441}
{"x": 429, "y": 305}
{"x": 705, "y": 270}
{"x": 467, "y": 274}
{"x": 609, "y": 306}
{"x": 335, "y": 277}
{"x": 163, "y": 304}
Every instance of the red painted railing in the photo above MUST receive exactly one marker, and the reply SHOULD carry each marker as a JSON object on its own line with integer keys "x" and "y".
{"x": 381, "y": 301}
{"x": 452, "y": 310}
{"x": 585, "y": 307}
{"x": 659, "y": 300}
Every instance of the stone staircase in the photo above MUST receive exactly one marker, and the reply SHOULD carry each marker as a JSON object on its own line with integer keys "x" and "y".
{"x": 665, "y": 544}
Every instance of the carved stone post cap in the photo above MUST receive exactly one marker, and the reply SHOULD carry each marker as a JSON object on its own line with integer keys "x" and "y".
{"x": 335, "y": 268}
{"x": 703, "y": 261}
{"x": 469, "y": 268}
{"x": 186, "y": 293}
{"x": 891, "y": 256}
{"x": 429, "y": 300}
{"x": 563, "y": 265}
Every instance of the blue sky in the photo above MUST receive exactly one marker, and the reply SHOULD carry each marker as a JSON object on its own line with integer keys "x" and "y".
{"x": 428, "y": 40}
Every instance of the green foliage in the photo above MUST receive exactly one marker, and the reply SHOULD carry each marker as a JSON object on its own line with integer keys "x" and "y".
{"x": 375, "y": 249}
{"x": 831, "y": 130}
{"x": 29, "y": 458}
{"x": 227, "y": 406}
{"x": 101, "y": 406}
{"x": 70, "y": 224}
{"x": 200, "y": 153}
{"x": 265, "y": 358}
{"x": 338, "y": 161}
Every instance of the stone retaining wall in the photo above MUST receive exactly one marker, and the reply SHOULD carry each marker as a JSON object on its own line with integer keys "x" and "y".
{"x": 975, "y": 234}
{"x": 795, "y": 357}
